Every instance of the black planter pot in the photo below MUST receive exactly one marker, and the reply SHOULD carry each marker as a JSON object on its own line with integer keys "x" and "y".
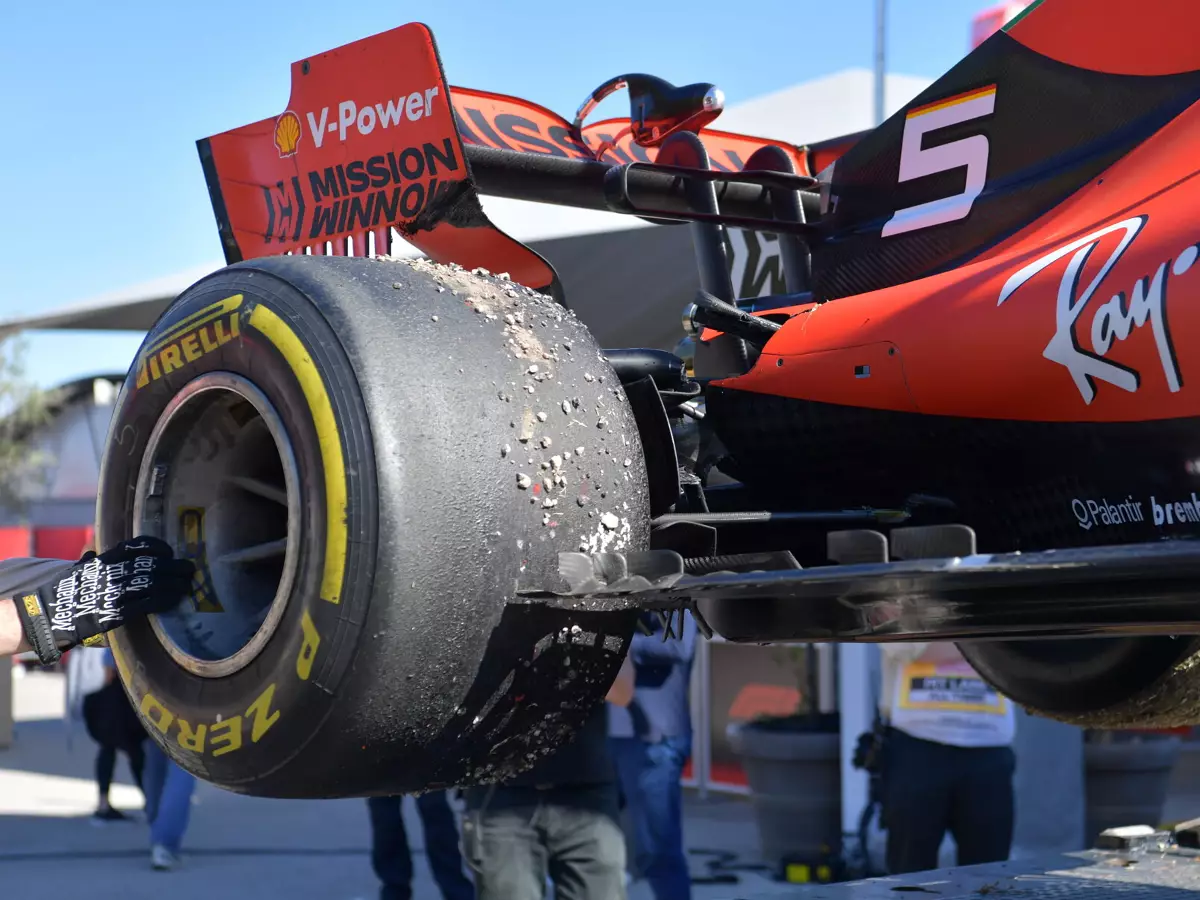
{"x": 1126, "y": 777}
{"x": 793, "y": 766}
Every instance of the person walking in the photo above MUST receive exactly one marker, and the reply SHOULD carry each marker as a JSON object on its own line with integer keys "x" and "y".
{"x": 168, "y": 791}
{"x": 947, "y": 762}
{"x": 95, "y": 696}
{"x": 391, "y": 856}
{"x": 557, "y": 823}
{"x": 652, "y": 740}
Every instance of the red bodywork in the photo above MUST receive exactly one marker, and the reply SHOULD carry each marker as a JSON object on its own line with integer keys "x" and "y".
{"x": 357, "y": 161}
{"x": 993, "y": 361}
{"x": 1107, "y": 343}
{"x": 966, "y": 341}
{"x": 278, "y": 187}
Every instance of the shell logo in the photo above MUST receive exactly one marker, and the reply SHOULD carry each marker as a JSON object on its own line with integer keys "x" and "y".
{"x": 287, "y": 134}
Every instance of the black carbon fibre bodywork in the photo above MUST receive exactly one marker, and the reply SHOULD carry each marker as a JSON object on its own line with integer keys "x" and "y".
{"x": 1145, "y": 589}
{"x": 1054, "y": 128}
{"x": 1020, "y": 485}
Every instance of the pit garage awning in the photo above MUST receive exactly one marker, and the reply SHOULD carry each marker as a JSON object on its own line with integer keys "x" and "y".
{"x": 629, "y": 287}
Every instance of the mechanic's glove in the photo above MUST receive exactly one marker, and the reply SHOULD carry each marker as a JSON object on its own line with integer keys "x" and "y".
{"x": 100, "y": 593}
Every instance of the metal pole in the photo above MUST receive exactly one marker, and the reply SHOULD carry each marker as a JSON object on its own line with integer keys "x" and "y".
{"x": 702, "y": 758}
{"x": 855, "y": 715}
{"x": 880, "y": 57}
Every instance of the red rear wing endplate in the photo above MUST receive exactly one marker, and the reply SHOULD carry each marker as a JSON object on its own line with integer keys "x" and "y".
{"x": 366, "y": 146}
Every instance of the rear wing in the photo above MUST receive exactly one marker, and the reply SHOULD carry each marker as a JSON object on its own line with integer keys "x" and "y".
{"x": 373, "y": 149}
{"x": 364, "y": 155}
{"x": 492, "y": 120}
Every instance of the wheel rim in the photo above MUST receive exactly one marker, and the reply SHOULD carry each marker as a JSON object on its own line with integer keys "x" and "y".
{"x": 219, "y": 483}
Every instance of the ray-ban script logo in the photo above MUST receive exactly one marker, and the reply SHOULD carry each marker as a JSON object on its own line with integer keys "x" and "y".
{"x": 1115, "y": 319}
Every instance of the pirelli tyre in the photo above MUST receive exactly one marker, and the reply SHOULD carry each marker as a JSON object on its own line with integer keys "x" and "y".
{"x": 365, "y": 458}
{"x": 1112, "y": 683}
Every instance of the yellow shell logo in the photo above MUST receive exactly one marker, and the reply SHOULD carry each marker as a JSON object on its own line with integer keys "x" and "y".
{"x": 287, "y": 134}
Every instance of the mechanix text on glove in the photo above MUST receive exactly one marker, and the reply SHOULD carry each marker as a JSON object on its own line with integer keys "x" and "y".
{"x": 100, "y": 593}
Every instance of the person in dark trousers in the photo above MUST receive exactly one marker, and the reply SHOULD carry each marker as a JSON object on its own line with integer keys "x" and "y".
{"x": 948, "y": 762}
{"x": 108, "y": 717}
{"x": 652, "y": 740}
{"x": 560, "y": 821}
{"x": 112, "y": 723}
{"x": 391, "y": 857}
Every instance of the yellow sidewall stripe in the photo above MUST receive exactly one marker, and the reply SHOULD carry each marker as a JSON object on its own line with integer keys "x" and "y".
{"x": 279, "y": 333}
{"x": 273, "y": 328}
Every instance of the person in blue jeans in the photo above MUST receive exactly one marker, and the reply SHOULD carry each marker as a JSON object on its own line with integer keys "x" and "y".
{"x": 651, "y": 741}
{"x": 391, "y": 857}
{"x": 168, "y": 790}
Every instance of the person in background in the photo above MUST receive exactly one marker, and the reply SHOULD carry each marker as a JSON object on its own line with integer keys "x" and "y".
{"x": 391, "y": 857}
{"x": 559, "y": 822}
{"x": 948, "y": 761}
{"x": 651, "y": 740}
{"x": 95, "y": 695}
{"x": 47, "y": 606}
{"x": 168, "y": 790}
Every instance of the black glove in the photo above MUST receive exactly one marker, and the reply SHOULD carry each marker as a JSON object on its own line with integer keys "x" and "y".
{"x": 134, "y": 578}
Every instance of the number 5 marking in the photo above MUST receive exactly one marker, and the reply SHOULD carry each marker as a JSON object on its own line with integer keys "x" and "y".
{"x": 917, "y": 162}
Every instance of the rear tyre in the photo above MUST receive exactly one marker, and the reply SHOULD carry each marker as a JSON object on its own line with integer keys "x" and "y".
{"x": 365, "y": 458}
{"x": 1149, "y": 682}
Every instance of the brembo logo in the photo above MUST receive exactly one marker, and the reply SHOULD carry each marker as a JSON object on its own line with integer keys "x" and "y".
{"x": 1115, "y": 319}
{"x": 365, "y": 119}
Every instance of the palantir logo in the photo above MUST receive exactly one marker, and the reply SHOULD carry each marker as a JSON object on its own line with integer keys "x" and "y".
{"x": 287, "y": 134}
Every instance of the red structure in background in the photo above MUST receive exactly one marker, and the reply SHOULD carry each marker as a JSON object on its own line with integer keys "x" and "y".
{"x": 991, "y": 20}
{"x": 47, "y": 543}
{"x": 15, "y": 542}
{"x": 61, "y": 543}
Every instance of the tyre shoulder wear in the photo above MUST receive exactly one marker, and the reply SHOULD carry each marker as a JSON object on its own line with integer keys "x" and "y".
{"x": 433, "y": 420}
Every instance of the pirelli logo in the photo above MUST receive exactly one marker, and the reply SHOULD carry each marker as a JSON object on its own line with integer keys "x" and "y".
{"x": 33, "y": 605}
{"x": 189, "y": 339}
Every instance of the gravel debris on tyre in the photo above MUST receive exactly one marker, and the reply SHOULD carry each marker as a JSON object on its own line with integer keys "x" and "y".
{"x": 497, "y": 436}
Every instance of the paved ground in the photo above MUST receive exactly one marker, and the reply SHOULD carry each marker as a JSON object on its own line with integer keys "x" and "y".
{"x": 237, "y": 848}
{"x": 243, "y": 848}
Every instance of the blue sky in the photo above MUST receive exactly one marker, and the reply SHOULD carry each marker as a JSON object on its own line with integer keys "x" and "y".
{"x": 103, "y": 103}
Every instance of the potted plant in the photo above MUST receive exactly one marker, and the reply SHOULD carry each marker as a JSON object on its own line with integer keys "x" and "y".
{"x": 793, "y": 766}
{"x": 1126, "y": 775}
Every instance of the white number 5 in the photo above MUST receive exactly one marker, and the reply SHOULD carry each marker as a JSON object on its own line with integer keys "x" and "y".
{"x": 916, "y": 162}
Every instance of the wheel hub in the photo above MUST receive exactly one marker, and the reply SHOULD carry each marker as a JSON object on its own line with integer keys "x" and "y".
{"x": 219, "y": 483}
